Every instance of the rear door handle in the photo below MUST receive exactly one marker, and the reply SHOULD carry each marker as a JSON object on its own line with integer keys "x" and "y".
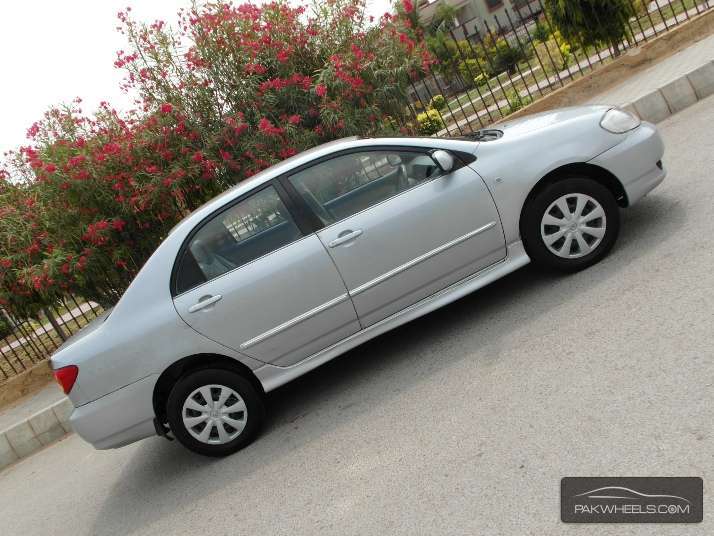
{"x": 345, "y": 236}
{"x": 203, "y": 302}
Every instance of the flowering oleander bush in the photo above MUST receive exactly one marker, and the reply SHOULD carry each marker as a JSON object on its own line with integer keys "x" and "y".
{"x": 222, "y": 94}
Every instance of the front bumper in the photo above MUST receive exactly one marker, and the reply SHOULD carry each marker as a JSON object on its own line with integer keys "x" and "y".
{"x": 119, "y": 418}
{"x": 636, "y": 162}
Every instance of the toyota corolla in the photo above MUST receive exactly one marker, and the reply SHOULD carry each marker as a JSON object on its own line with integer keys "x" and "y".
{"x": 335, "y": 246}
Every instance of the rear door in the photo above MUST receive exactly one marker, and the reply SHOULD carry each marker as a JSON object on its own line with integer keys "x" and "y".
{"x": 249, "y": 279}
{"x": 397, "y": 227}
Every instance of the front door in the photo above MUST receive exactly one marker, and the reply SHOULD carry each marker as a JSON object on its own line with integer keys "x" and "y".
{"x": 398, "y": 228}
{"x": 249, "y": 279}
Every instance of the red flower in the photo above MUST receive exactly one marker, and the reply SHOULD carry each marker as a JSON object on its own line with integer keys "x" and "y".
{"x": 225, "y": 155}
{"x": 197, "y": 157}
{"x": 266, "y": 127}
{"x": 321, "y": 90}
{"x": 111, "y": 148}
{"x": 50, "y": 168}
{"x": 5, "y": 263}
{"x": 37, "y": 282}
{"x": 166, "y": 108}
{"x": 294, "y": 119}
{"x": 118, "y": 224}
{"x": 76, "y": 161}
{"x": 253, "y": 68}
{"x": 287, "y": 152}
{"x": 408, "y": 6}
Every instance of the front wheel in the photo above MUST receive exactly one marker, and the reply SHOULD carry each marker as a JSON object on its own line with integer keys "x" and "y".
{"x": 214, "y": 412}
{"x": 570, "y": 225}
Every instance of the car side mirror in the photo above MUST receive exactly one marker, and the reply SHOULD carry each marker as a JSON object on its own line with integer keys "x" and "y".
{"x": 443, "y": 159}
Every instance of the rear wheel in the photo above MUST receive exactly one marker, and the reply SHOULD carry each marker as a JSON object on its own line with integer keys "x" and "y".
{"x": 570, "y": 225}
{"x": 215, "y": 412}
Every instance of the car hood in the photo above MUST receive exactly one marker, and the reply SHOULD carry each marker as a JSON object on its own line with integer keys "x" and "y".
{"x": 544, "y": 120}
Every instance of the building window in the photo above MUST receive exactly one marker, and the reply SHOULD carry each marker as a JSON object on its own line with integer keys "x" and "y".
{"x": 493, "y": 5}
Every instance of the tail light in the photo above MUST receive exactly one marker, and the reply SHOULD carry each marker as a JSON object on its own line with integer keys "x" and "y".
{"x": 66, "y": 376}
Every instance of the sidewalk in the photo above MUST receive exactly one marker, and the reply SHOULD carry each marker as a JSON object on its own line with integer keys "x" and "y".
{"x": 660, "y": 75}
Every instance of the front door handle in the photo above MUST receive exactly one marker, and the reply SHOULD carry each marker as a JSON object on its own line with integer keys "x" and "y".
{"x": 345, "y": 236}
{"x": 203, "y": 302}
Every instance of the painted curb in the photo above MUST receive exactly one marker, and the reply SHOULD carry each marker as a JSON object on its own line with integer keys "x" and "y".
{"x": 30, "y": 435}
{"x": 675, "y": 96}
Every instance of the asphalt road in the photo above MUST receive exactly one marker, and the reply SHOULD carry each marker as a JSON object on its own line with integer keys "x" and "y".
{"x": 462, "y": 422}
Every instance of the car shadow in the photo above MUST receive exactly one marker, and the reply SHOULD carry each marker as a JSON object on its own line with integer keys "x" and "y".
{"x": 369, "y": 376}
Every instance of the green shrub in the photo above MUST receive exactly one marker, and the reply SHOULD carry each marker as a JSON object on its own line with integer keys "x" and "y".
{"x": 471, "y": 68}
{"x": 574, "y": 19}
{"x": 448, "y": 53}
{"x": 5, "y": 329}
{"x": 567, "y": 56}
{"x": 480, "y": 80}
{"x": 430, "y": 122}
{"x": 516, "y": 101}
{"x": 541, "y": 32}
{"x": 437, "y": 102}
{"x": 506, "y": 56}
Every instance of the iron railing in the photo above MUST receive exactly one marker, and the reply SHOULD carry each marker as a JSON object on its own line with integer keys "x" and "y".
{"x": 26, "y": 342}
{"x": 489, "y": 69}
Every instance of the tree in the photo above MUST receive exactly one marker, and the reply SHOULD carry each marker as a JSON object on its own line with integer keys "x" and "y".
{"x": 592, "y": 22}
{"x": 225, "y": 92}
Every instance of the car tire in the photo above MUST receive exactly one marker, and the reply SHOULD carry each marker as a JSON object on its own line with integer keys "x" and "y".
{"x": 573, "y": 241}
{"x": 211, "y": 428}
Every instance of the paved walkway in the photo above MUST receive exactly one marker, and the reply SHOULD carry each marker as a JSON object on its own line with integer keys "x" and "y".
{"x": 659, "y": 75}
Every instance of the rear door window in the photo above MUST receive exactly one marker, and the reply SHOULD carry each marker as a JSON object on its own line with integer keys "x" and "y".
{"x": 251, "y": 228}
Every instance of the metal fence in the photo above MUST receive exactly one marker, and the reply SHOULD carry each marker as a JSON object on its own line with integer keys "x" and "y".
{"x": 488, "y": 70}
{"x": 24, "y": 343}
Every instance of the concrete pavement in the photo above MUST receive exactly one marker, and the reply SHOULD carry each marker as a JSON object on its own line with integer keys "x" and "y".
{"x": 462, "y": 422}
{"x": 659, "y": 75}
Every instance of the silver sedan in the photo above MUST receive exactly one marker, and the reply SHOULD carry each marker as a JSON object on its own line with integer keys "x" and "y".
{"x": 333, "y": 247}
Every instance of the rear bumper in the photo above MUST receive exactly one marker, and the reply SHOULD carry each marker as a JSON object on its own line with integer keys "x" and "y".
{"x": 119, "y": 418}
{"x": 635, "y": 162}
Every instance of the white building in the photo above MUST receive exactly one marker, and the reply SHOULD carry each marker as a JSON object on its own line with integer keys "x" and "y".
{"x": 471, "y": 14}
